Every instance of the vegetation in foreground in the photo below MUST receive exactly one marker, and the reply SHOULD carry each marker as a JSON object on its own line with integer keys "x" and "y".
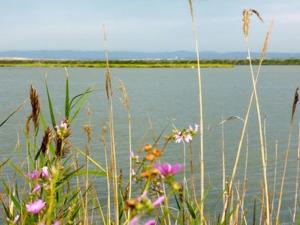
{"x": 54, "y": 186}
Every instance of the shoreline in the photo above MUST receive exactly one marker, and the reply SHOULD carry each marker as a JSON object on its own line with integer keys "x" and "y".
{"x": 140, "y": 63}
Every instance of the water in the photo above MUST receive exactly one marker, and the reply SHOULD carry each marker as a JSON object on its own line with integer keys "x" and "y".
{"x": 160, "y": 98}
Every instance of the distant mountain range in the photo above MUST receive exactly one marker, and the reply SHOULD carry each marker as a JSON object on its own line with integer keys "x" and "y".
{"x": 127, "y": 55}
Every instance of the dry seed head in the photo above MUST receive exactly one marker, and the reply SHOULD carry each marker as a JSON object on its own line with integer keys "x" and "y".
{"x": 266, "y": 42}
{"x": 35, "y": 105}
{"x": 46, "y": 140}
{"x": 88, "y": 131}
{"x": 246, "y": 20}
{"x": 125, "y": 98}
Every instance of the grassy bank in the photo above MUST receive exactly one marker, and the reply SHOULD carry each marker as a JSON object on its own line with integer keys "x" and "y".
{"x": 113, "y": 63}
{"x": 217, "y": 63}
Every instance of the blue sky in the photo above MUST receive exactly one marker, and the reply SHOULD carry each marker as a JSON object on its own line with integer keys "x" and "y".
{"x": 144, "y": 25}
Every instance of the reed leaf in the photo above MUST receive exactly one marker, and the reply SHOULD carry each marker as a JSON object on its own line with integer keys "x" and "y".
{"x": 52, "y": 116}
{"x": 12, "y": 113}
{"x": 67, "y": 99}
{"x": 295, "y": 101}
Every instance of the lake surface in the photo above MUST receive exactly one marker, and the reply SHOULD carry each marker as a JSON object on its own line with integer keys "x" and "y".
{"x": 166, "y": 96}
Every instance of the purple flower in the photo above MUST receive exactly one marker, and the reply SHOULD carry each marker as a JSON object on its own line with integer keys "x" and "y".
{"x": 166, "y": 169}
{"x": 36, "y": 206}
{"x": 45, "y": 172}
{"x": 134, "y": 221}
{"x": 36, "y": 188}
{"x": 158, "y": 201}
{"x": 150, "y": 222}
{"x": 35, "y": 174}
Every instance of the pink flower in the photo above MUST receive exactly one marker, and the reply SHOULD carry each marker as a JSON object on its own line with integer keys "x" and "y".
{"x": 166, "y": 169}
{"x": 178, "y": 138}
{"x": 187, "y": 138}
{"x": 36, "y": 188}
{"x": 158, "y": 201}
{"x": 63, "y": 125}
{"x": 57, "y": 222}
{"x": 150, "y": 222}
{"x": 45, "y": 172}
{"x": 134, "y": 221}
{"x": 16, "y": 219}
{"x": 35, "y": 174}
{"x": 36, "y": 206}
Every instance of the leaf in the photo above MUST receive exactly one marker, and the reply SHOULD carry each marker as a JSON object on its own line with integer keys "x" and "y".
{"x": 177, "y": 202}
{"x": 92, "y": 172}
{"x": 80, "y": 103}
{"x": 191, "y": 210}
{"x": 14, "y": 200}
{"x": 72, "y": 105}
{"x": 68, "y": 176}
{"x": 2, "y": 164}
{"x": 67, "y": 100}
{"x": 295, "y": 101}
{"x": 12, "y": 113}
{"x": 50, "y": 106}
{"x": 93, "y": 161}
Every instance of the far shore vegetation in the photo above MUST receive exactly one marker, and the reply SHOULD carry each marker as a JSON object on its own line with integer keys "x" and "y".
{"x": 216, "y": 63}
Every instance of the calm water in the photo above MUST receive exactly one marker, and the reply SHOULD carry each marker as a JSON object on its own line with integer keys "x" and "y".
{"x": 165, "y": 96}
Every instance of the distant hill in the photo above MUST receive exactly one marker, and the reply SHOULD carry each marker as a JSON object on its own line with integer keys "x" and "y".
{"x": 125, "y": 55}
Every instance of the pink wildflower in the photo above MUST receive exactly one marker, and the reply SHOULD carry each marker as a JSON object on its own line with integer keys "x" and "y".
{"x": 16, "y": 219}
{"x": 134, "y": 221}
{"x": 36, "y": 206}
{"x": 45, "y": 172}
{"x": 187, "y": 138}
{"x": 158, "y": 201}
{"x": 166, "y": 169}
{"x": 63, "y": 125}
{"x": 57, "y": 222}
{"x": 35, "y": 174}
{"x": 150, "y": 222}
{"x": 178, "y": 137}
{"x": 36, "y": 188}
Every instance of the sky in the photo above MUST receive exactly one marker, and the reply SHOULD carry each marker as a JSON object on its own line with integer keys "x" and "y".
{"x": 145, "y": 25}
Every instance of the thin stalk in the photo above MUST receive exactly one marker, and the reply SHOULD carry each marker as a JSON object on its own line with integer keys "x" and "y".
{"x": 297, "y": 178}
{"x": 201, "y": 122}
{"x": 275, "y": 177}
{"x": 245, "y": 126}
{"x": 261, "y": 137}
{"x": 283, "y": 175}
{"x": 112, "y": 137}
{"x": 192, "y": 175}
{"x": 223, "y": 163}
{"x": 245, "y": 180}
{"x": 108, "y": 174}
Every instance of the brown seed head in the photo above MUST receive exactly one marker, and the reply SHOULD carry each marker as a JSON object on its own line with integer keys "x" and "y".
{"x": 35, "y": 106}
{"x": 46, "y": 140}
